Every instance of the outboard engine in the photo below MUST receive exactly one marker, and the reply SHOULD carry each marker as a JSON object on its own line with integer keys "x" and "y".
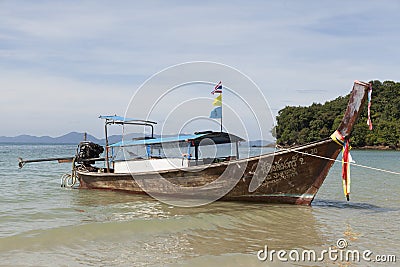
{"x": 88, "y": 150}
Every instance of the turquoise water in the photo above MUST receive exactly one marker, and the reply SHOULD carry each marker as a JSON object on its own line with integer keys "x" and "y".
{"x": 42, "y": 224}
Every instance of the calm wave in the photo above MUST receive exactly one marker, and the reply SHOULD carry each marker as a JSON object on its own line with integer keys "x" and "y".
{"x": 44, "y": 224}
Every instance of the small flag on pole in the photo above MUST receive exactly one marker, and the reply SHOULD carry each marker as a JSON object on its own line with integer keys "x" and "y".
{"x": 217, "y": 88}
{"x": 218, "y": 101}
{"x": 216, "y": 113}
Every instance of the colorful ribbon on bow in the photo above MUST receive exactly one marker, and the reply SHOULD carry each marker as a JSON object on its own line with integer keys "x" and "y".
{"x": 346, "y": 158}
{"x": 338, "y": 138}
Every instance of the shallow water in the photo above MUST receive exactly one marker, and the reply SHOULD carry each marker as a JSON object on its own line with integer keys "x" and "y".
{"x": 42, "y": 224}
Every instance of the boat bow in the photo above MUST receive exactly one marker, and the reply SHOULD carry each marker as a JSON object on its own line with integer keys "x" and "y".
{"x": 357, "y": 99}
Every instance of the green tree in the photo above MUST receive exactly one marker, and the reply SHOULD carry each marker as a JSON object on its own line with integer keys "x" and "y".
{"x": 299, "y": 125}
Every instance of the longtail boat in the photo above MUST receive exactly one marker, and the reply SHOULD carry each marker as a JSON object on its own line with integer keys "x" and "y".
{"x": 291, "y": 175}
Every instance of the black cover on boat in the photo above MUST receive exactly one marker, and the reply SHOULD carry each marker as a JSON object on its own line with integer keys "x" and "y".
{"x": 88, "y": 150}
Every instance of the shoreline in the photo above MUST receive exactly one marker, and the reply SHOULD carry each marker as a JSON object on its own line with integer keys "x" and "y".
{"x": 377, "y": 148}
{"x": 383, "y": 148}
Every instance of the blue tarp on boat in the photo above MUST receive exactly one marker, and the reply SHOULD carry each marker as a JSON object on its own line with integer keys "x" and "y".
{"x": 153, "y": 141}
{"x": 201, "y": 138}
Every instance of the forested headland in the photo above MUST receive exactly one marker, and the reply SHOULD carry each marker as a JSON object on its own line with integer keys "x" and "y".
{"x": 299, "y": 125}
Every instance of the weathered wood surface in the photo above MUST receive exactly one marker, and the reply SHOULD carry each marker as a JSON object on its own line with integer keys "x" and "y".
{"x": 286, "y": 176}
{"x": 291, "y": 177}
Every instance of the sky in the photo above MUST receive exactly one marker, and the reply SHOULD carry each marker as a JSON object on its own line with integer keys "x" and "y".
{"x": 64, "y": 63}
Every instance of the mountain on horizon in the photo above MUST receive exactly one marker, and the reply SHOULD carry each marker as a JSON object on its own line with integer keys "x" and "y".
{"x": 76, "y": 137}
{"x": 260, "y": 143}
{"x": 69, "y": 138}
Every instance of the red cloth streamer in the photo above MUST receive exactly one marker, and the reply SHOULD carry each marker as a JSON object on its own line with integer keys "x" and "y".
{"x": 346, "y": 170}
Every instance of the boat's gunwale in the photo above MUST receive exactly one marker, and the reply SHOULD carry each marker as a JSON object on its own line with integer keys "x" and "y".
{"x": 218, "y": 164}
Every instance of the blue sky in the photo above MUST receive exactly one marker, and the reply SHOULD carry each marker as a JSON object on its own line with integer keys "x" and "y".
{"x": 63, "y": 63}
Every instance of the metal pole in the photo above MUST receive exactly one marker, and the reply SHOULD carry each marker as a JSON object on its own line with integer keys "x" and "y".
{"x": 106, "y": 134}
{"x": 196, "y": 152}
{"x": 221, "y": 110}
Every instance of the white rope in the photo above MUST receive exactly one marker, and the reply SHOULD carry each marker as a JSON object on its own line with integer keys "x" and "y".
{"x": 354, "y": 164}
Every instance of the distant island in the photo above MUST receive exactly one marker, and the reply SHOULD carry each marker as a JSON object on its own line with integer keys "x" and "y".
{"x": 70, "y": 138}
{"x": 300, "y": 125}
{"x": 75, "y": 137}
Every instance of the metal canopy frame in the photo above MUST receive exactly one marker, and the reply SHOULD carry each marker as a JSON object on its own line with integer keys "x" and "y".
{"x": 194, "y": 140}
{"x": 115, "y": 119}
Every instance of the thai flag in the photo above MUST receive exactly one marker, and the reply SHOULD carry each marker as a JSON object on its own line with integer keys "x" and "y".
{"x": 217, "y": 88}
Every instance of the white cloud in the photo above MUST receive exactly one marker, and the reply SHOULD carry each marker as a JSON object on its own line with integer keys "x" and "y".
{"x": 89, "y": 49}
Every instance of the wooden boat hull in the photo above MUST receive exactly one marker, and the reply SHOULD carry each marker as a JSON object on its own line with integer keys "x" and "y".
{"x": 289, "y": 176}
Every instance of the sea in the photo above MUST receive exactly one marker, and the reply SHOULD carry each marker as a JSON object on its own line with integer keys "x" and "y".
{"x": 43, "y": 224}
